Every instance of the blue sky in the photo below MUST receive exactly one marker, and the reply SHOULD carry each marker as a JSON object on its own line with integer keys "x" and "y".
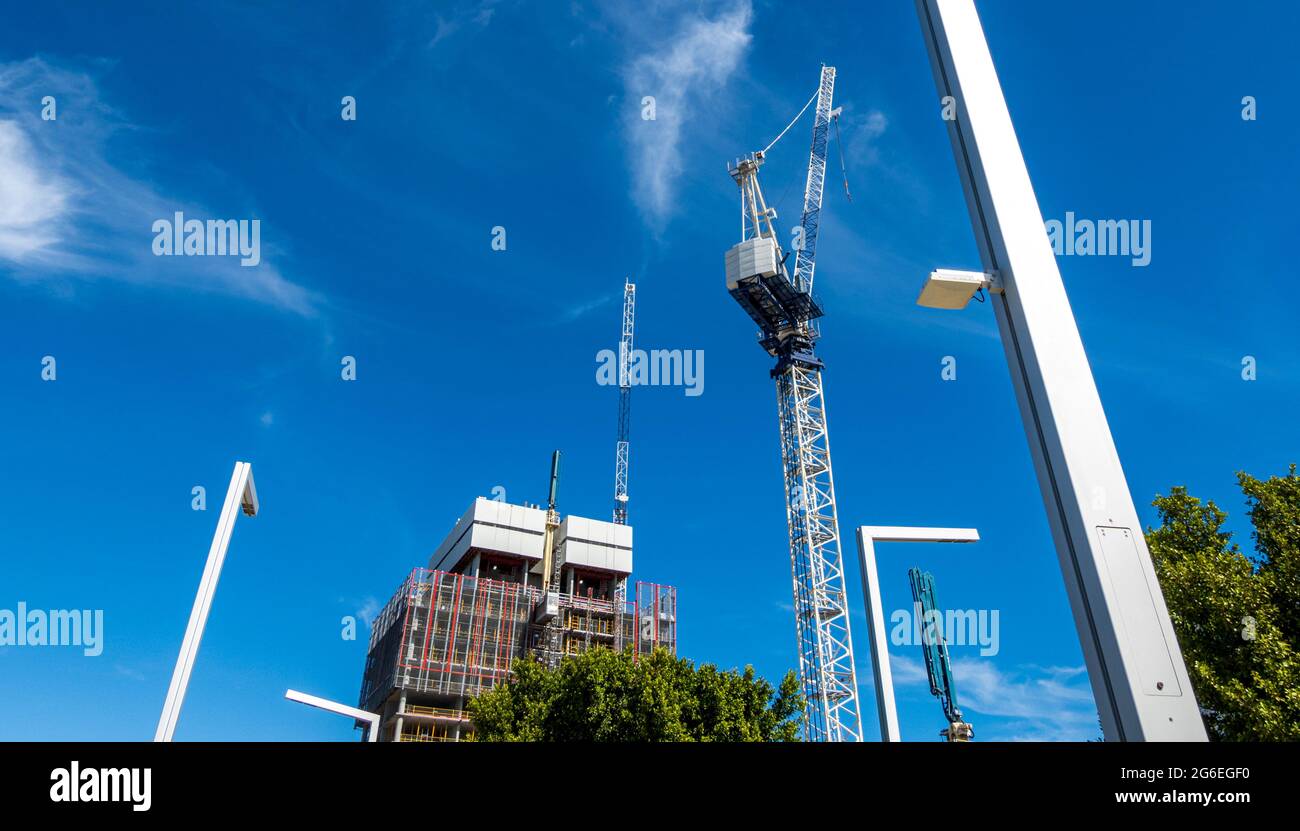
{"x": 473, "y": 364}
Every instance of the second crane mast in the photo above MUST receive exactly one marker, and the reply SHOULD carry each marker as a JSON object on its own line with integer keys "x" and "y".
{"x": 786, "y": 311}
{"x": 624, "y": 403}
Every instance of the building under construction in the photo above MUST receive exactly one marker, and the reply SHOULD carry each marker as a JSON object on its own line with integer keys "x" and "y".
{"x": 508, "y": 582}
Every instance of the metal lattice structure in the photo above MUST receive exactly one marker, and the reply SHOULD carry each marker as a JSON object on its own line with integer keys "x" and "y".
{"x": 624, "y": 403}
{"x": 805, "y": 256}
{"x": 786, "y": 310}
{"x": 656, "y": 611}
{"x": 821, "y": 612}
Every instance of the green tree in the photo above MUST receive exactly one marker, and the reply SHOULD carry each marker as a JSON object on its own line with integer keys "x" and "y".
{"x": 1237, "y": 616}
{"x": 606, "y": 696}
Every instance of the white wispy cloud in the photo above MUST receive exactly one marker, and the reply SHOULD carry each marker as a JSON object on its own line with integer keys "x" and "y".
{"x": 370, "y": 609}
{"x": 478, "y": 13}
{"x": 67, "y": 211}
{"x": 906, "y": 670}
{"x": 1045, "y": 703}
{"x": 1041, "y": 703}
{"x": 582, "y": 308}
{"x": 861, "y": 132}
{"x": 30, "y": 203}
{"x": 685, "y": 68}
{"x": 129, "y": 672}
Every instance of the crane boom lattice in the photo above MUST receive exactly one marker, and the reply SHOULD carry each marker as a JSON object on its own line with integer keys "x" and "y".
{"x": 812, "y": 193}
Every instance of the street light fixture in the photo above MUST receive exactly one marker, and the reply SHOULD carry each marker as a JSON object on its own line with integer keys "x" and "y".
{"x": 948, "y": 289}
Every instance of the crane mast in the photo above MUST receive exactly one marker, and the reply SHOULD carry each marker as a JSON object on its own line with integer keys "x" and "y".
{"x": 624, "y": 403}
{"x": 622, "y": 447}
{"x": 786, "y": 310}
{"x": 937, "y": 663}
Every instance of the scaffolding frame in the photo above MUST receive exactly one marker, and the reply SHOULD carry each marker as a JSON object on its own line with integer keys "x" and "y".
{"x": 447, "y": 636}
{"x": 446, "y": 633}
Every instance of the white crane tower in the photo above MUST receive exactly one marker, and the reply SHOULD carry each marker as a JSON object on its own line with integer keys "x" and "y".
{"x": 624, "y": 408}
{"x": 624, "y": 403}
{"x": 786, "y": 311}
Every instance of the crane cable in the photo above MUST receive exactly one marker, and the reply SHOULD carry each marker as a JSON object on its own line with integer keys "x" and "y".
{"x": 791, "y": 124}
{"x": 839, "y": 142}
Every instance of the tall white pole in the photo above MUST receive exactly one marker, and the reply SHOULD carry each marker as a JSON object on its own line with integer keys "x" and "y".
{"x": 1136, "y": 669}
{"x": 886, "y": 710}
{"x": 242, "y": 493}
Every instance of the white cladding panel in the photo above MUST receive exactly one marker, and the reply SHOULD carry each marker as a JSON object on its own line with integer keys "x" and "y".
{"x": 493, "y": 526}
{"x": 590, "y": 543}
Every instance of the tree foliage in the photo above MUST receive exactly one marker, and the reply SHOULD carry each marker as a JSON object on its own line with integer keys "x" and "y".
{"x": 1237, "y": 616}
{"x": 605, "y": 696}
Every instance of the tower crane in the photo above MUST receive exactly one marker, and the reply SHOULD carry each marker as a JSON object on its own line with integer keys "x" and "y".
{"x": 937, "y": 664}
{"x": 624, "y": 403}
{"x": 624, "y": 419}
{"x": 786, "y": 311}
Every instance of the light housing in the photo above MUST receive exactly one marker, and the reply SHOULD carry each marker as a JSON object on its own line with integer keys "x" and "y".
{"x": 948, "y": 289}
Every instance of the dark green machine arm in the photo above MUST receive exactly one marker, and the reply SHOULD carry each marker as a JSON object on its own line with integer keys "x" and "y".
{"x": 937, "y": 663}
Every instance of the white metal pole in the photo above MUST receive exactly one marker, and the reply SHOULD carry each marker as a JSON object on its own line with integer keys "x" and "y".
{"x": 868, "y": 536}
{"x": 371, "y": 719}
{"x": 885, "y": 707}
{"x": 1136, "y": 669}
{"x": 240, "y": 493}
